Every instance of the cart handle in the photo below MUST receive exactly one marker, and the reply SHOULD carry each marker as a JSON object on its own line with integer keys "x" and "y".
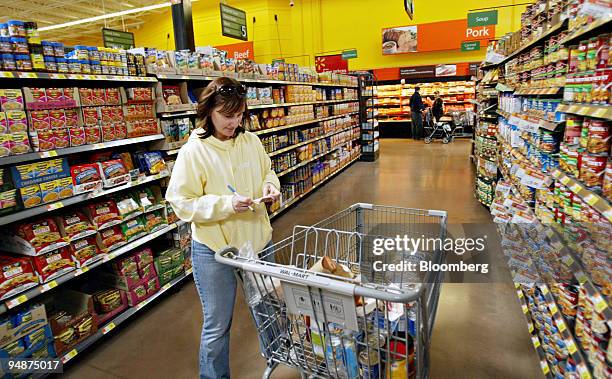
{"x": 230, "y": 256}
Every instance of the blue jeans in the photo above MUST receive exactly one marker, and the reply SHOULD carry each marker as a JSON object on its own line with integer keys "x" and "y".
{"x": 216, "y": 285}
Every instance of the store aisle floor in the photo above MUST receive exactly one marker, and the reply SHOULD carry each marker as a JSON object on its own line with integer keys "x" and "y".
{"x": 480, "y": 331}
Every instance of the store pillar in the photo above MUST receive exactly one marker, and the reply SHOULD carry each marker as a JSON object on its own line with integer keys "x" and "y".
{"x": 182, "y": 23}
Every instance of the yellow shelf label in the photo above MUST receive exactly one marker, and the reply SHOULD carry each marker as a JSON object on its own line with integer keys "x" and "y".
{"x": 600, "y": 304}
{"x": 545, "y": 290}
{"x": 554, "y": 309}
{"x": 600, "y": 112}
{"x": 82, "y": 270}
{"x": 166, "y": 286}
{"x": 582, "y": 278}
{"x": 536, "y": 341}
{"x": 584, "y": 371}
{"x": 565, "y": 180}
{"x": 49, "y": 286}
{"x": 561, "y": 327}
{"x": 571, "y": 347}
{"x": 28, "y": 75}
{"x": 108, "y": 328}
{"x": 545, "y": 368}
{"x": 525, "y": 309}
{"x": 575, "y": 188}
{"x": 73, "y": 353}
{"x": 15, "y": 302}
{"x": 48, "y": 154}
{"x": 56, "y": 205}
{"x": 531, "y": 328}
{"x": 6, "y": 74}
{"x": 520, "y": 294}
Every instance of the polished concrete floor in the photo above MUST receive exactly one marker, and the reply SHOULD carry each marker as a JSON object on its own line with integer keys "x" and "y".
{"x": 479, "y": 332}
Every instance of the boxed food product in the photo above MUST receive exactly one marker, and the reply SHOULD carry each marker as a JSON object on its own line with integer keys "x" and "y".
{"x": 72, "y": 320}
{"x": 17, "y": 121}
{"x": 57, "y": 118}
{"x": 16, "y": 275}
{"x": 65, "y": 187}
{"x": 147, "y": 272}
{"x": 93, "y": 135}
{"x": 171, "y": 94}
{"x": 8, "y": 200}
{"x": 86, "y": 177}
{"x": 85, "y": 251}
{"x": 61, "y": 138}
{"x": 109, "y": 300}
{"x": 20, "y": 143}
{"x": 121, "y": 131}
{"x": 75, "y": 225}
{"x": 143, "y": 257}
{"x": 133, "y": 229}
{"x": 5, "y": 145}
{"x": 148, "y": 197}
{"x": 26, "y": 320}
{"x": 77, "y": 136}
{"x": 31, "y": 196}
{"x": 128, "y": 269}
{"x": 39, "y": 120}
{"x": 151, "y": 162}
{"x": 103, "y": 213}
{"x": 72, "y": 117}
{"x": 53, "y": 264}
{"x": 44, "y": 140}
{"x": 140, "y": 94}
{"x": 108, "y": 132}
{"x": 49, "y": 191}
{"x": 3, "y": 123}
{"x": 11, "y": 100}
{"x": 112, "y": 238}
{"x": 38, "y": 337}
{"x": 113, "y": 96}
{"x": 127, "y": 205}
{"x": 91, "y": 116}
{"x": 86, "y": 96}
{"x": 35, "y": 238}
{"x": 35, "y": 173}
{"x": 99, "y": 96}
{"x": 155, "y": 221}
{"x": 113, "y": 173}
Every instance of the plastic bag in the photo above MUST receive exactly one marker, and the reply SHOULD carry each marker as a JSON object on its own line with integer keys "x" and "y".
{"x": 256, "y": 285}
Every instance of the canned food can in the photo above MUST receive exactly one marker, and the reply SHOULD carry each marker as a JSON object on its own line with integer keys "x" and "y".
{"x": 369, "y": 365}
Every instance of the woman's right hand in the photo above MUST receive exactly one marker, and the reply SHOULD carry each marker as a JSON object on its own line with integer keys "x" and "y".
{"x": 241, "y": 203}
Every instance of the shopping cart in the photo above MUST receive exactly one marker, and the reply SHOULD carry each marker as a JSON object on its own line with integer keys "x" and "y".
{"x": 376, "y": 324}
{"x": 437, "y": 129}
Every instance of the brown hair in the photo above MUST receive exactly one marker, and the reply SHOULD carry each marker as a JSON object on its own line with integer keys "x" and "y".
{"x": 209, "y": 100}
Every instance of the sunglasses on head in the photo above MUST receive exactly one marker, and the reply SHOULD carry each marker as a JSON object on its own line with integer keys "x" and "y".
{"x": 229, "y": 90}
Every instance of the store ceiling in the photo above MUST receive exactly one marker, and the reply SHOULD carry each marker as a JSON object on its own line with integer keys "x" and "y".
{"x": 52, "y": 12}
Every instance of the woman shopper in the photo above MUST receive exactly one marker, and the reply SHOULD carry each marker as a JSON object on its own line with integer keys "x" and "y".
{"x": 220, "y": 154}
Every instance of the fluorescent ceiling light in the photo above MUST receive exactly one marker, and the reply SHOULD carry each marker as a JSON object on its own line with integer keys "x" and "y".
{"x": 105, "y": 16}
{"x": 127, "y": 5}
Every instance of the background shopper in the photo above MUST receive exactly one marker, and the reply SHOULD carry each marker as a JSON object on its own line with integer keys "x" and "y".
{"x": 416, "y": 108}
{"x": 221, "y": 153}
{"x": 438, "y": 107}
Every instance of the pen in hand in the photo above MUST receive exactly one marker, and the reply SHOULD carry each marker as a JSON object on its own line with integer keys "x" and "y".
{"x": 236, "y": 193}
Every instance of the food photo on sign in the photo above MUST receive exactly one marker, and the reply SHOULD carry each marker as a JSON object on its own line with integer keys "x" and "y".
{"x": 399, "y": 40}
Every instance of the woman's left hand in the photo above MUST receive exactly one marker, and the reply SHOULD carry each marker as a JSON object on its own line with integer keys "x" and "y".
{"x": 270, "y": 192}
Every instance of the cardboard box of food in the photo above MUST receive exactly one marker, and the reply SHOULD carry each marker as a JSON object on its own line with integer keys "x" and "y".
{"x": 22, "y": 323}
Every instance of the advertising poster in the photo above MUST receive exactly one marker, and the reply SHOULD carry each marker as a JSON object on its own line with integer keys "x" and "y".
{"x": 399, "y": 40}
{"x": 446, "y": 70}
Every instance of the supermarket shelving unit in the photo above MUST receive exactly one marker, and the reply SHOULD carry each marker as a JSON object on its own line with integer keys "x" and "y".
{"x": 370, "y": 133}
{"x": 36, "y": 79}
{"x": 517, "y": 168}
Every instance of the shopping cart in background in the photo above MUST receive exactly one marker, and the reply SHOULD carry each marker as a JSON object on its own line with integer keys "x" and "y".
{"x": 357, "y": 322}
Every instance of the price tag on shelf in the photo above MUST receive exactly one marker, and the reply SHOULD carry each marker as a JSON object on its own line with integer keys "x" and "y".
{"x": 48, "y": 286}
{"x": 571, "y": 346}
{"x": 82, "y": 270}
{"x": 536, "y": 341}
{"x": 48, "y": 154}
{"x": 56, "y": 205}
{"x": 553, "y": 309}
{"x": 584, "y": 371}
{"x": 525, "y": 309}
{"x": 608, "y": 214}
{"x": 73, "y": 353}
{"x": 561, "y": 327}
{"x": 6, "y": 74}
{"x": 99, "y": 146}
{"x": 57, "y": 76}
{"x": 189, "y": 271}
{"x": 520, "y": 294}
{"x": 110, "y": 326}
{"x": 584, "y": 110}
{"x": 575, "y": 188}
{"x": 28, "y": 75}
{"x": 600, "y": 303}
{"x": 591, "y": 199}
{"x": 568, "y": 260}
{"x": 544, "y": 290}
{"x": 166, "y": 286}
{"x": 544, "y": 367}
{"x": 16, "y": 301}
{"x": 581, "y": 276}
{"x": 600, "y": 112}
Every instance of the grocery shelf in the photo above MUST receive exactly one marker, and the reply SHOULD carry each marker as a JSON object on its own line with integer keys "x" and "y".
{"x": 42, "y": 288}
{"x": 108, "y": 327}
{"x": 77, "y": 149}
{"x": 41, "y": 209}
{"x": 604, "y": 24}
{"x": 250, "y": 80}
{"x": 177, "y": 114}
{"x": 525, "y": 46}
{"x": 539, "y": 91}
{"x": 272, "y": 130}
{"x": 301, "y": 164}
{"x": 265, "y": 106}
{"x": 288, "y": 148}
{"x": 593, "y": 199}
{"x": 52, "y": 76}
{"x": 394, "y": 121}
{"x": 598, "y": 111}
{"x": 537, "y": 345}
{"x": 297, "y": 198}
{"x": 503, "y": 88}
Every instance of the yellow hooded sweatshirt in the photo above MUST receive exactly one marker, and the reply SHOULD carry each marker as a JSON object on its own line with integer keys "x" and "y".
{"x": 199, "y": 194}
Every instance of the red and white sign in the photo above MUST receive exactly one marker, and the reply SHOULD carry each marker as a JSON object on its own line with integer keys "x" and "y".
{"x": 333, "y": 63}
{"x": 242, "y": 50}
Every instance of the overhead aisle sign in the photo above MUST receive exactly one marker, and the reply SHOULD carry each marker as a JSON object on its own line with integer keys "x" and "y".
{"x": 233, "y": 22}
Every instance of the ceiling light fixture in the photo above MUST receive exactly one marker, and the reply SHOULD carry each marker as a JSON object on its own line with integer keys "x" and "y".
{"x": 127, "y": 5}
{"x": 106, "y": 16}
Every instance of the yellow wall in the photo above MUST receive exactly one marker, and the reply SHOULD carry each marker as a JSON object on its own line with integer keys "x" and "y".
{"x": 313, "y": 27}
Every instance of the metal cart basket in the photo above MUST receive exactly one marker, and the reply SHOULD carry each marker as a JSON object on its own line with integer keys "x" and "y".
{"x": 360, "y": 321}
